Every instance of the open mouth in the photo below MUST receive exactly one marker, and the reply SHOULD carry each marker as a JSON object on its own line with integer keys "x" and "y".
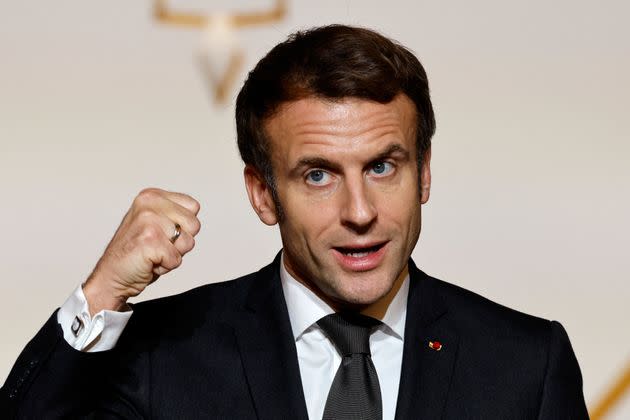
{"x": 361, "y": 257}
{"x": 359, "y": 252}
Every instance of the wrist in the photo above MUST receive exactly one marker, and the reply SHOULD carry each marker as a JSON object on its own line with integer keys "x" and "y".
{"x": 100, "y": 297}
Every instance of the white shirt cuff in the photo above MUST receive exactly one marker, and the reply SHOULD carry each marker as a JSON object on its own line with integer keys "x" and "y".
{"x": 89, "y": 334}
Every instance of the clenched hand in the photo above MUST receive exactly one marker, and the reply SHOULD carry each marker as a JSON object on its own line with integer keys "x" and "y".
{"x": 141, "y": 249}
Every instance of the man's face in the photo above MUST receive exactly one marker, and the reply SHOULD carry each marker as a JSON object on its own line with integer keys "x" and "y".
{"x": 347, "y": 181}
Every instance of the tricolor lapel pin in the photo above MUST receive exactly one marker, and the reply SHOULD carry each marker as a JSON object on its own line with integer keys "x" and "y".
{"x": 435, "y": 345}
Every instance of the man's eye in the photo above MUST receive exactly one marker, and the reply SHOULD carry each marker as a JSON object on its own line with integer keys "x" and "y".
{"x": 318, "y": 177}
{"x": 382, "y": 168}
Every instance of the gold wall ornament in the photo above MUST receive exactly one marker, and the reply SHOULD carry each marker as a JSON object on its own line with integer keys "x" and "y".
{"x": 220, "y": 55}
{"x": 618, "y": 390}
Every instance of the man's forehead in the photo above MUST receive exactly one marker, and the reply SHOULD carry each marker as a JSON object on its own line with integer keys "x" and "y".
{"x": 344, "y": 130}
{"x": 318, "y": 115}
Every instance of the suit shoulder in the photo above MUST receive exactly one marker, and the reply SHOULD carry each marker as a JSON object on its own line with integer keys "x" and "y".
{"x": 207, "y": 309}
{"x": 215, "y": 298}
{"x": 478, "y": 313}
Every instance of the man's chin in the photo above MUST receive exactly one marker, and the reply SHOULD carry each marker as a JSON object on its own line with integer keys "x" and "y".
{"x": 359, "y": 299}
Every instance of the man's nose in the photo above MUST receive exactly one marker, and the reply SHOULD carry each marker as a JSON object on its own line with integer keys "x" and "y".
{"x": 358, "y": 211}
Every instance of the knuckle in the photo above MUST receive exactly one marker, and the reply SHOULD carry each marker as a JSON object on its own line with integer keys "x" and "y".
{"x": 175, "y": 260}
{"x": 145, "y": 215}
{"x": 147, "y": 195}
{"x": 148, "y": 190}
{"x": 194, "y": 226}
{"x": 151, "y": 233}
{"x": 187, "y": 244}
{"x": 195, "y": 206}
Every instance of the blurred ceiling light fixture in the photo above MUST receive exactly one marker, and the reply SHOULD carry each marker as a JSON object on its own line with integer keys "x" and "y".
{"x": 220, "y": 55}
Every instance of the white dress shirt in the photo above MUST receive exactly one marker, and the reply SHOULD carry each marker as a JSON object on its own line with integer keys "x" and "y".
{"x": 317, "y": 357}
{"x": 89, "y": 334}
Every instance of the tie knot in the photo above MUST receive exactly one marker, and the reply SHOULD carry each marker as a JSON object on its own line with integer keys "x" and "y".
{"x": 349, "y": 332}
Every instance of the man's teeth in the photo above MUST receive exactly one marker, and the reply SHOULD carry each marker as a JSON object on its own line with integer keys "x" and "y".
{"x": 358, "y": 254}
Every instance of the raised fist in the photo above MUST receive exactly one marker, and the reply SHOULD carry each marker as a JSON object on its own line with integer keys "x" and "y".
{"x": 157, "y": 231}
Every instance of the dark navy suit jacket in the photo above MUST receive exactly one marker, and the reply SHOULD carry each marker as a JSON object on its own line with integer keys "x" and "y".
{"x": 226, "y": 351}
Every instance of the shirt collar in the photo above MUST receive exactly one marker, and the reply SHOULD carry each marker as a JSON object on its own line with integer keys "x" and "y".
{"x": 306, "y": 308}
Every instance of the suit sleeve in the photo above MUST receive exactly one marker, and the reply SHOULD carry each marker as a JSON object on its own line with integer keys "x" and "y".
{"x": 562, "y": 396}
{"x": 52, "y": 380}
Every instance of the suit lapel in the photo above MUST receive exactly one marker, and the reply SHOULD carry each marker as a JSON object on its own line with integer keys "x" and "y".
{"x": 426, "y": 373}
{"x": 270, "y": 362}
{"x": 268, "y": 351}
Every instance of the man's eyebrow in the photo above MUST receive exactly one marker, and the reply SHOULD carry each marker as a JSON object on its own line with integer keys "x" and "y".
{"x": 393, "y": 150}
{"x": 314, "y": 162}
{"x": 322, "y": 163}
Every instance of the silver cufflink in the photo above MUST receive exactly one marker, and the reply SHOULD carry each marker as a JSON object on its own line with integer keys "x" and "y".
{"x": 77, "y": 326}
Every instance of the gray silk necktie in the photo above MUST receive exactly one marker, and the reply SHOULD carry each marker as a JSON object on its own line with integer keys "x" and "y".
{"x": 355, "y": 393}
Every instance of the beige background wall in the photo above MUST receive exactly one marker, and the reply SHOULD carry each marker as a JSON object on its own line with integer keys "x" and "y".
{"x": 530, "y": 200}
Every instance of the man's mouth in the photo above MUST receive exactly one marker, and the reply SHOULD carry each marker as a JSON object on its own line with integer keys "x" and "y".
{"x": 360, "y": 257}
{"x": 359, "y": 252}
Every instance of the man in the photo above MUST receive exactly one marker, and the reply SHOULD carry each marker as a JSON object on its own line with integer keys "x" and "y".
{"x": 334, "y": 127}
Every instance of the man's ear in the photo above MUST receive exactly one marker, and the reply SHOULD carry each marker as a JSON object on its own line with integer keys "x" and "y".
{"x": 260, "y": 196}
{"x": 425, "y": 177}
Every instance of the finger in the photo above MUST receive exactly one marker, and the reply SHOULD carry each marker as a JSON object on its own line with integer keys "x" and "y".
{"x": 165, "y": 259}
{"x": 184, "y": 243}
{"x": 182, "y": 216}
{"x": 166, "y": 218}
{"x": 158, "y": 271}
{"x": 184, "y": 200}
{"x": 175, "y": 233}
{"x": 153, "y": 200}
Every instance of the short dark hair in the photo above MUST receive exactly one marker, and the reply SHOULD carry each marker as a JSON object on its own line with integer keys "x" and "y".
{"x": 331, "y": 62}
